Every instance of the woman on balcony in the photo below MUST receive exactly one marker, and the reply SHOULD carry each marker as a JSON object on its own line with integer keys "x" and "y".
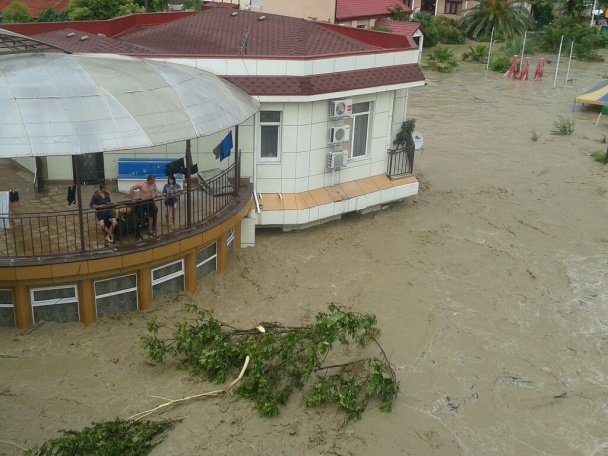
{"x": 101, "y": 202}
{"x": 171, "y": 191}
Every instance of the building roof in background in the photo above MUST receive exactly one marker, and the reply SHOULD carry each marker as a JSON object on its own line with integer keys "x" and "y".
{"x": 400, "y": 27}
{"x": 36, "y": 6}
{"x": 217, "y": 33}
{"x": 357, "y": 9}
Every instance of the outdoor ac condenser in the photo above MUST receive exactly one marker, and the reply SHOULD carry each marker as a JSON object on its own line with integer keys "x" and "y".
{"x": 336, "y": 160}
{"x": 339, "y": 134}
{"x": 340, "y": 108}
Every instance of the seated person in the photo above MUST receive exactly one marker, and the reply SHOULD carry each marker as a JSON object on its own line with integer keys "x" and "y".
{"x": 101, "y": 202}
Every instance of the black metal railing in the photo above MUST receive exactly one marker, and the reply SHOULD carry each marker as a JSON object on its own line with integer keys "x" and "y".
{"x": 60, "y": 234}
{"x": 400, "y": 162}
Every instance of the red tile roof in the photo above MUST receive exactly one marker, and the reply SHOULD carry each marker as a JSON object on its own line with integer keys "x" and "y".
{"x": 35, "y": 6}
{"x": 400, "y": 27}
{"x": 215, "y": 32}
{"x": 358, "y": 9}
{"x": 327, "y": 83}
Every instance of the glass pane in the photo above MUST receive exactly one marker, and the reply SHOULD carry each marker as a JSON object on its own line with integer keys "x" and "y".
{"x": 360, "y": 107}
{"x": 270, "y": 116}
{"x": 7, "y": 317}
{"x": 205, "y": 269}
{"x": 60, "y": 313}
{"x": 6, "y": 296}
{"x": 270, "y": 141}
{"x": 166, "y": 270}
{"x": 115, "y": 284}
{"x": 54, "y": 294}
{"x": 206, "y": 253}
{"x": 124, "y": 302}
{"x": 172, "y": 286}
{"x": 360, "y": 135}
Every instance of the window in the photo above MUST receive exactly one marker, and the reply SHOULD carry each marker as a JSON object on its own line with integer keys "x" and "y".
{"x": 206, "y": 261}
{"x": 7, "y": 312}
{"x": 270, "y": 135}
{"x": 452, "y": 7}
{"x": 230, "y": 241}
{"x": 58, "y": 304}
{"x": 168, "y": 279}
{"x": 116, "y": 295}
{"x": 359, "y": 130}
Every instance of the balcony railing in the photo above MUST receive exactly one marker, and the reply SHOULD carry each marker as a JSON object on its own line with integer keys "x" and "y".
{"x": 64, "y": 234}
{"x": 400, "y": 162}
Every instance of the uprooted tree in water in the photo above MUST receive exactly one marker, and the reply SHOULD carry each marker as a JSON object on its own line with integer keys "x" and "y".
{"x": 283, "y": 358}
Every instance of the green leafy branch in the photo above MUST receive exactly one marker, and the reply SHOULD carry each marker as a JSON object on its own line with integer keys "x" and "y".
{"x": 282, "y": 359}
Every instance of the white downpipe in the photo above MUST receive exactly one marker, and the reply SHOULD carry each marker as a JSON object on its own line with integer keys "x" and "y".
{"x": 559, "y": 56}
{"x": 569, "y": 61}
{"x": 255, "y": 162}
{"x": 489, "y": 51}
{"x": 523, "y": 48}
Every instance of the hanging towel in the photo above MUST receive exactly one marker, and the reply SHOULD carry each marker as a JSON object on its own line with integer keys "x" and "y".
{"x": 226, "y": 145}
{"x": 71, "y": 195}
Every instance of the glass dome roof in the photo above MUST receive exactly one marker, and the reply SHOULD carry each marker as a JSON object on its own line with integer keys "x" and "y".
{"x": 69, "y": 104}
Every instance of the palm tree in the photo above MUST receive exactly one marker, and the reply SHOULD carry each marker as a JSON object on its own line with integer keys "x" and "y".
{"x": 508, "y": 18}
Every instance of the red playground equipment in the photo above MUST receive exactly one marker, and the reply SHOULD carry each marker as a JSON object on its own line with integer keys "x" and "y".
{"x": 523, "y": 73}
{"x": 512, "y": 71}
{"x": 540, "y": 70}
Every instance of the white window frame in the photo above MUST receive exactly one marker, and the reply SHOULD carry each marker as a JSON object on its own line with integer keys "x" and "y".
{"x": 230, "y": 238}
{"x": 115, "y": 293}
{"x": 4, "y": 305}
{"x": 353, "y": 127}
{"x": 278, "y": 124}
{"x": 168, "y": 277}
{"x": 53, "y": 302}
{"x": 211, "y": 258}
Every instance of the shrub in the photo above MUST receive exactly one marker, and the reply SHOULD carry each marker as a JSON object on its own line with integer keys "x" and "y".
{"x": 500, "y": 63}
{"x": 442, "y": 60}
{"x": 600, "y": 156}
{"x": 478, "y": 54}
{"x": 563, "y": 126}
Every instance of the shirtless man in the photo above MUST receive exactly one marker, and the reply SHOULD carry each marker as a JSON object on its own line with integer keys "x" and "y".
{"x": 147, "y": 193}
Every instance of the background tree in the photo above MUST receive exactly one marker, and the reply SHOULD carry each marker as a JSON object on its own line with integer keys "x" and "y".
{"x": 17, "y": 12}
{"x": 85, "y": 10}
{"x": 575, "y": 9}
{"x": 52, "y": 15}
{"x": 507, "y": 18}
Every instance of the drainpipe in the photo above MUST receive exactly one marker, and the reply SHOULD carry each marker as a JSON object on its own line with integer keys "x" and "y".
{"x": 76, "y": 166}
{"x": 188, "y": 184}
{"x": 237, "y": 162}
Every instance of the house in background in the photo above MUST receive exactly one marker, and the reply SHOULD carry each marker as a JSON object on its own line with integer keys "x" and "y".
{"x": 332, "y": 100}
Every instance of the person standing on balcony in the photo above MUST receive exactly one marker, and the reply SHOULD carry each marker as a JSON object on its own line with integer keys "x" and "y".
{"x": 147, "y": 193}
{"x": 171, "y": 191}
{"x": 102, "y": 203}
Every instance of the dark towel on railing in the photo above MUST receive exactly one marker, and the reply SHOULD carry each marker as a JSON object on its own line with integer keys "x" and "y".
{"x": 71, "y": 195}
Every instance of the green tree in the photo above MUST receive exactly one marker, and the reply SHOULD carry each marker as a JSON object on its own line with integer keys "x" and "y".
{"x": 52, "y": 15}
{"x": 87, "y": 10}
{"x": 576, "y": 9}
{"x": 507, "y": 18}
{"x": 17, "y": 12}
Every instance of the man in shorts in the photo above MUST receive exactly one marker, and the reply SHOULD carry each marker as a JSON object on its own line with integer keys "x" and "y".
{"x": 147, "y": 193}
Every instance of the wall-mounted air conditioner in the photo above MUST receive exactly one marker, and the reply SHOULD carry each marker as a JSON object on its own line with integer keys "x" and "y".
{"x": 339, "y": 134}
{"x": 337, "y": 160}
{"x": 340, "y": 108}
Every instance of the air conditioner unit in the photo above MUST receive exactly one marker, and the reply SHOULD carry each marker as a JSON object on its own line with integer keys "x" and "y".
{"x": 339, "y": 134}
{"x": 340, "y": 108}
{"x": 337, "y": 160}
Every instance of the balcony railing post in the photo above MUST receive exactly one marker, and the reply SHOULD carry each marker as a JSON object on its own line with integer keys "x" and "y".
{"x": 76, "y": 164}
{"x": 188, "y": 185}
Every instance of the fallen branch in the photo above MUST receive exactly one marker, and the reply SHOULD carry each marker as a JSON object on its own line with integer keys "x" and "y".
{"x": 171, "y": 402}
{"x": 13, "y": 443}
